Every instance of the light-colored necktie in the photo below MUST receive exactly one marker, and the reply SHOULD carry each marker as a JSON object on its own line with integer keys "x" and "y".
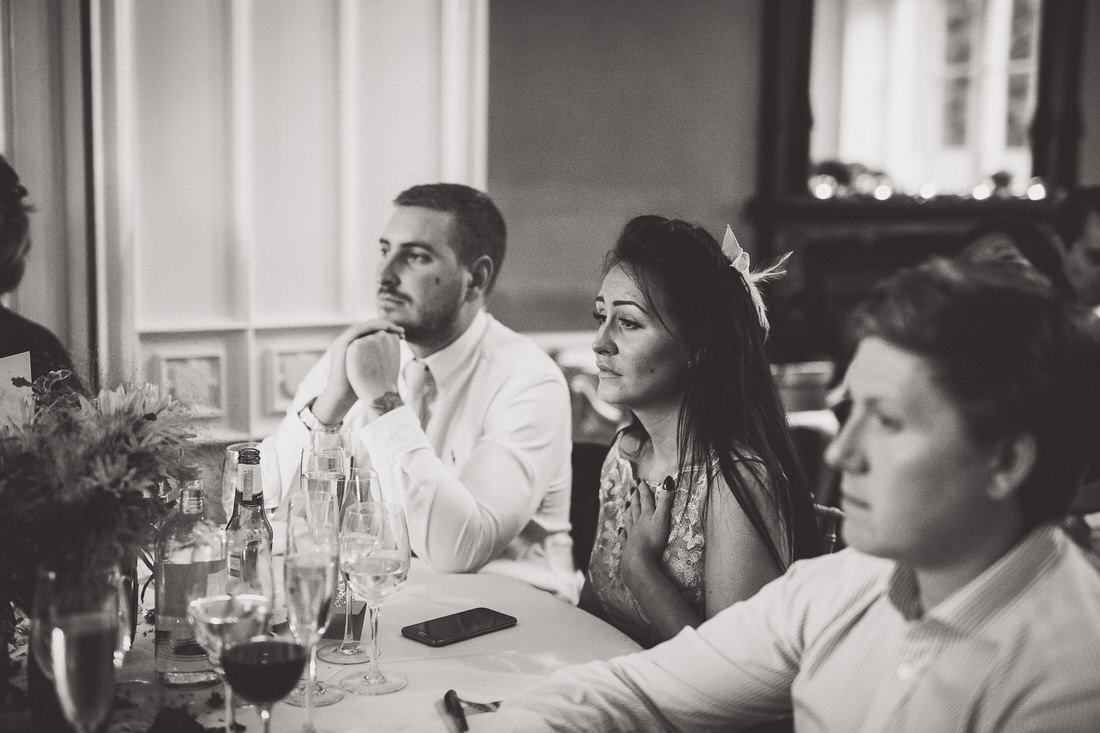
{"x": 422, "y": 389}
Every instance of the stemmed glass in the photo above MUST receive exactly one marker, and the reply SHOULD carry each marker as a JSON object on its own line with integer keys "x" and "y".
{"x": 374, "y": 556}
{"x": 220, "y": 621}
{"x": 77, "y": 637}
{"x": 360, "y": 486}
{"x": 263, "y": 670}
{"x": 311, "y": 554}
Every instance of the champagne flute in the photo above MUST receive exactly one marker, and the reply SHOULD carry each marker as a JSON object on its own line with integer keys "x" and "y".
{"x": 263, "y": 670}
{"x": 361, "y": 485}
{"x": 222, "y": 620}
{"x": 77, "y": 632}
{"x": 375, "y": 556}
{"x": 311, "y": 555}
{"x": 324, "y": 468}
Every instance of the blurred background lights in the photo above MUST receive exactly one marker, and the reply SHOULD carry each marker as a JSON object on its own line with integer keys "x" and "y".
{"x": 927, "y": 190}
{"x": 883, "y": 192}
{"x": 823, "y": 186}
{"x": 982, "y": 191}
{"x": 1036, "y": 190}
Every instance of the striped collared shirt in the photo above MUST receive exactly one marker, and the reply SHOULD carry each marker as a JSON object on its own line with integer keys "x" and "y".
{"x": 841, "y": 641}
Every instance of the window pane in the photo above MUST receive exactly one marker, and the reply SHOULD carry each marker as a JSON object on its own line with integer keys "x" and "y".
{"x": 1024, "y": 25}
{"x": 954, "y": 111}
{"x": 959, "y": 20}
{"x": 1017, "y": 110}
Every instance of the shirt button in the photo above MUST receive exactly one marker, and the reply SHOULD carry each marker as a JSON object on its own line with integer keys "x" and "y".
{"x": 906, "y": 672}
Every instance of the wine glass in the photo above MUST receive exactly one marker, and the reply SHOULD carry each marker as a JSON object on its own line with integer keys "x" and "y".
{"x": 361, "y": 485}
{"x": 221, "y": 620}
{"x": 374, "y": 556}
{"x": 311, "y": 556}
{"x": 76, "y": 636}
{"x": 263, "y": 670}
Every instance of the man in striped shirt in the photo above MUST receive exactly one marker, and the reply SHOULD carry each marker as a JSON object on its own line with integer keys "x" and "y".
{"x": 959, "y": 606}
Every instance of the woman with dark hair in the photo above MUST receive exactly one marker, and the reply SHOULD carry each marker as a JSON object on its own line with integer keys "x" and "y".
{"x": 702, "y": 501}
{"x": 19, "y": 335}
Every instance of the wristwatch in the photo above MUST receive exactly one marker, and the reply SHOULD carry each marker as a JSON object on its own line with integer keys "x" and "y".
{"x": 310, "y": 420}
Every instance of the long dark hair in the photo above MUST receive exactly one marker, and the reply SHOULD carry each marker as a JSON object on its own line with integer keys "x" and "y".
{"x": 730, "y": 408}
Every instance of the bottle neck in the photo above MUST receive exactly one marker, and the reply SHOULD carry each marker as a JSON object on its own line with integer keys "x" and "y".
{"x": 254, "y": 501}
{"x": 250, "y": 488}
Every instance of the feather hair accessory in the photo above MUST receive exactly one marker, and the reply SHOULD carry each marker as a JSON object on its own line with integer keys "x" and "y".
{"x": 739, "y": 260}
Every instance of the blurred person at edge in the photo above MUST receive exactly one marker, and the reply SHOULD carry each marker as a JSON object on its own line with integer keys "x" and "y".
{"x": 959, "y": 604}
{"x": 20, "y": 335}
{"x": 1078, "y": 225}
{"x": 485, "y": 479}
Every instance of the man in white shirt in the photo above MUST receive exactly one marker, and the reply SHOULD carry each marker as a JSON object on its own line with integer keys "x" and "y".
{"x": 959, "y": 605}
{"x": 478, "y": 450}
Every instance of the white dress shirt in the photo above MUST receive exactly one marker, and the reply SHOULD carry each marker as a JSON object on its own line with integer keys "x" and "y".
{"x": 841, "y": 641}
{"x": 486, "y": 486}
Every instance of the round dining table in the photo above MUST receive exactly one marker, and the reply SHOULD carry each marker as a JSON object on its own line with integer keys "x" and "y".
{"x": 550, "y": 634}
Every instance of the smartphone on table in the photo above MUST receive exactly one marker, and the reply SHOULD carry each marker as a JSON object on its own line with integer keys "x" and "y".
{"x": 458, "y": 626}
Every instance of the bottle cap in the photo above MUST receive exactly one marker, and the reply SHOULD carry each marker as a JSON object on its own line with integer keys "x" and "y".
{"x": 249, "y": 456}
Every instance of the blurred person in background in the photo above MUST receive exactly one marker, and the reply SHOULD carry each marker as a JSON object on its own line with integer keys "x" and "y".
{"x": 1079, "y": 227}
{"x": 20, "y": 335}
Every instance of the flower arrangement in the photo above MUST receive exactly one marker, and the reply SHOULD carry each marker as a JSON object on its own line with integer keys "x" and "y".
{"x": 80, "y": 478}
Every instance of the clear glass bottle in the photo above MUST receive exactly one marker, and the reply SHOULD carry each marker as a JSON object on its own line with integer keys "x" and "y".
{"x": 190, "y": 563}
{"x": 248, "y": 535}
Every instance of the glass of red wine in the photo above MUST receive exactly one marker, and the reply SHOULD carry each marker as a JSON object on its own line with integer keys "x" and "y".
{"x": 263, "y": 670}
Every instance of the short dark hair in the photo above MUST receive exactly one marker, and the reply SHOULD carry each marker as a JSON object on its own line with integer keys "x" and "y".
{"x": 1012, "y": 355}
{"x": 14, "y": 228}
{"x": 1074, "y": 212}
{"x": 479, "y": 226}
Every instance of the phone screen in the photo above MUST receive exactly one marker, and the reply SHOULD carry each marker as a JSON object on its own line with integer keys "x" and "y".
{"x": 458, "y": 626}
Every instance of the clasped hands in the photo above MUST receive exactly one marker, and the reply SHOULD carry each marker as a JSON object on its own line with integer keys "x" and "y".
{"x": 366, "y": 360}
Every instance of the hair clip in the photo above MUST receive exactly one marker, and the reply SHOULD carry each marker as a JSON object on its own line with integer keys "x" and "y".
{"x": 739, "y": 260}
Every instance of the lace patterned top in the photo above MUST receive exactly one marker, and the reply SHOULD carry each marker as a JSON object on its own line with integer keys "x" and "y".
{"x": 683, "y": 559}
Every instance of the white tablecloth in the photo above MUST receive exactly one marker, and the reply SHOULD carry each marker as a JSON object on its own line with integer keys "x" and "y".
{"x": 549, "y": 634}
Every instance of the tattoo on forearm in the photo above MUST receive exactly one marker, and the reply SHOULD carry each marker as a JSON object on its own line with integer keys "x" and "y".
{"x": 387, "y": 402}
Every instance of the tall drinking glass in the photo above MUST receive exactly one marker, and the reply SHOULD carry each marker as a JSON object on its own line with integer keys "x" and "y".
{"x": 375, "y": 556}
{"x": 361, "y": 485}
{"x": 76, "y": 636}
{"x": 311, "y": 558}
{"x": 48, "y": 585}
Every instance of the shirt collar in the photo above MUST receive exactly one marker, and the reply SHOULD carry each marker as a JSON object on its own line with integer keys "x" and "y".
{"x": 994, "y": 589}
{"x": 445, "y": 363}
